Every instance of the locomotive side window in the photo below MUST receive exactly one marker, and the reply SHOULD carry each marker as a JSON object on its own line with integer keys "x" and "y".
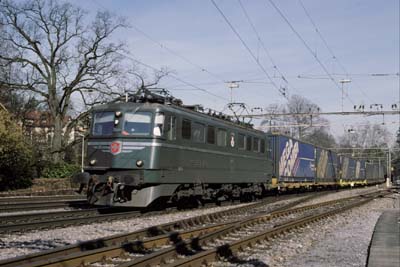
{"x": 262, "y": 146}
{"x": 256, "y": 144}
{"x": 248, "y": 143}
{"x": 103, "y": 123}
{"x": 138, "y": 123}
{"x": 170, "y": 128}
{"x": 198, "y": 132}
{"x": 210, "y": 134}
{"x": 186, "y": 129}
{"x": 221, "y": 137}
{"x": 241, "y": 141}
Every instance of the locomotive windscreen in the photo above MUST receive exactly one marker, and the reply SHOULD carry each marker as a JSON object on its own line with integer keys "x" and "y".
{"x": 138, "y": 123}
{"x": 103, "y": 123}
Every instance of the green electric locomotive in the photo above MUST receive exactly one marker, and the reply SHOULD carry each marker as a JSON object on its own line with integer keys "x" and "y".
{"x": 151, "y": 150}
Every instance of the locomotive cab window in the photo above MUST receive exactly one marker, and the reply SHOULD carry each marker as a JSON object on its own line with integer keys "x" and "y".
{"x": 211, "y": 134}
{"x": 138, "y": 123}
{"x": 103, "y": 123}
{"x": 186, "y": 129}
{"x": 198, "y": 132}
{"x": 221, "y": 137}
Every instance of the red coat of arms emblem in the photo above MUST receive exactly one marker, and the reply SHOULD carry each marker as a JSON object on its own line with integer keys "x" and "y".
{"x": 115, "y": 147}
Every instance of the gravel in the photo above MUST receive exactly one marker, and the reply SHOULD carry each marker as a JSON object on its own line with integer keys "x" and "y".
{"x": 341, "y": 240}
{"x": 12, "y": 245}
{"x": 341, "y": 194}
{"x": 305, "y": 247}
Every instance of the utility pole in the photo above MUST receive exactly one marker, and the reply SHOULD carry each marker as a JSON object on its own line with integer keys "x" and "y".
{"x": 343, "y": 81}
{"x": 231, "y": 85}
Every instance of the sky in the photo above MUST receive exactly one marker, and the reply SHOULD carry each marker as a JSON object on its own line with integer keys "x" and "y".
{"x": 193, "y": 39}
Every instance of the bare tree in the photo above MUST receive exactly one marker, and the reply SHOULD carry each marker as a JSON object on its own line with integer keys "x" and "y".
{"x": 310, "y": 128}
{"x": 53, "y": 54}
{"x": 368, "y": 140}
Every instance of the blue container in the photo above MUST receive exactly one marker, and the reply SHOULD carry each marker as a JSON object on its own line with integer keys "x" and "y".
{"x": 294, "y": 160}
{"x": 326, "y": 165}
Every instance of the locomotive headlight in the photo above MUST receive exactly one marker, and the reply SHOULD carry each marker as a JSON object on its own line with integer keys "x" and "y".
{"x": 116, "y": 122}
{"x": 118, "y": 114}
{"x": 139, "y": 163}
{"x": 92, "y": 162}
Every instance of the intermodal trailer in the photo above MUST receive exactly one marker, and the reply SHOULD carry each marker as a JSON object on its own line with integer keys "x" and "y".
{"x": 293, "y": 160}
{"x": 326, "y": 166}
{"x": 344, "y": 169}
{"x": 360, "y": 171}
{"x": 351, "y": 174}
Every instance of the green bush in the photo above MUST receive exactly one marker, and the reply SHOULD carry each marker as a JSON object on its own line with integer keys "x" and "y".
{"x": 15, "y": 155}
{"x": 60, "y": 170}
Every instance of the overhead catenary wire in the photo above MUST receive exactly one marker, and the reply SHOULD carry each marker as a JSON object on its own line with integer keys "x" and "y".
{"x": 183, "y": 58}
{"x": 281, "y": 92}
{"x": 307, "y": 46}
{"x": 328, "y": 47}
{"x": 322, "y": 76}
{"x": 282, "y": 76}
{"x": 163, "y": 46}
{"x": 176, "y": 78}
{"x": 171, "y": 75}
{"x": 322, "y": 37}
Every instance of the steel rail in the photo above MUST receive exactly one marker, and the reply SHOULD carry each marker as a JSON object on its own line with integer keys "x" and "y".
{"x": 5, "y": 208}
{"x": 11, "y": 200}
{"x": 174, "y": 240}
{"x": 128, "y": 238}
{"x": 160, "y": 257}
{"x": 64, "y": 222}
{"x": 45, "y": 216}
{"x": 227, "y": 251}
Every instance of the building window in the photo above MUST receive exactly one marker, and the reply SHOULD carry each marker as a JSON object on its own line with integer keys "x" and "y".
{"x": 211, "y": 134}
{"x": 221, "y": 137}
{"x": 241, "y": 141}
{"x": 198, "y": 132}
{"x": 248, "y": 143}
{"x": 186, "y": 129}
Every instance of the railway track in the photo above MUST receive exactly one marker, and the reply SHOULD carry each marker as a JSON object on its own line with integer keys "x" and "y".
{"x": 22, "y": 219}
{"x": 11, "y": 200}
{"x": 50, "y": 220}
{"x": 93, "y": 250}
{"x": 26, "y": 205}
{"x": 60, "y": 219}
{"x": 191, "y": 245}
{"x": 223, "y": 247}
